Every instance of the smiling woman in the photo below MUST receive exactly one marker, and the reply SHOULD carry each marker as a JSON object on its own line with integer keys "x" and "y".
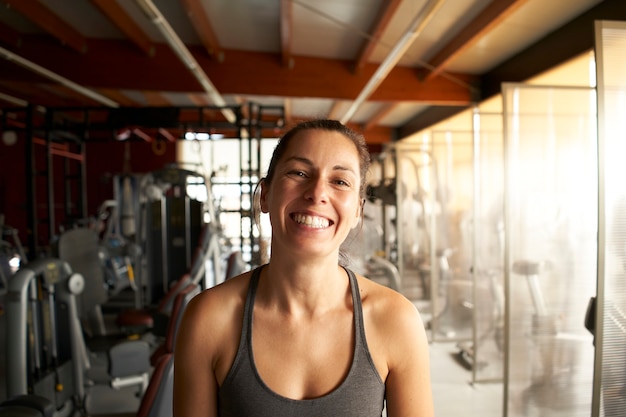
{"x": 303, "y": 335}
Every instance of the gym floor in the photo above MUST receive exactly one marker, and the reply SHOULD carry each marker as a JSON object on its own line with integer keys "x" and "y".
{"x": 453, "y": 392}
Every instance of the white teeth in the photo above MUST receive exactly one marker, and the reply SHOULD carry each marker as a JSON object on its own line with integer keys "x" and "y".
{"x": 311, "y": 221}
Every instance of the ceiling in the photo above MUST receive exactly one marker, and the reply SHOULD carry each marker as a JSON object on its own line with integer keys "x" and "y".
{"x": 389, "y": 67}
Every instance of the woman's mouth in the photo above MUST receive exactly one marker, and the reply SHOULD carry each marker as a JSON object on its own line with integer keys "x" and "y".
{"x": 311, "y": 221}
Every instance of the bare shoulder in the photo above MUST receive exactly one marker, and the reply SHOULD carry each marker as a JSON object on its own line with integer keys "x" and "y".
{"x": 212, "y": 315}
{"x": 393, "y": 323}
{"x": 384, "y": 303}
{"x": 215, "y": 299}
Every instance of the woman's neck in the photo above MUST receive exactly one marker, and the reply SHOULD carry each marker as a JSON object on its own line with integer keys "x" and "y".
{"x": 303, "y": 287}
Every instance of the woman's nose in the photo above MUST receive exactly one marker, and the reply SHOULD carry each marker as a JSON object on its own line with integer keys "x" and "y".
{"x": 317, "y": 190}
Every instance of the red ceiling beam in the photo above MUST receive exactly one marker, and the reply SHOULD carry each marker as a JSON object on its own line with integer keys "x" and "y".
{"x": 375, "y": 135}
{"x": 199, "y": 99}
{"x": 202, "y": 25}
{"x": 45, "y": 18}
{"x": 119, "y": 97}
{"x": 242, "y": 73}
{"x": 260, "y": 74}
{"x": 69, "y": 96}
{"x": 117, "y": 16}
{"x": 492, "y": 15}
{"x": 387, "y": 10}
{"x": 155, "y": 98}
{"x": 384, "y": 110}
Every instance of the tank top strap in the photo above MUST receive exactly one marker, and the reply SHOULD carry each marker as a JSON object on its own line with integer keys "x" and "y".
{"x": 357, "y": 307}
{"x": 246, "y": 331}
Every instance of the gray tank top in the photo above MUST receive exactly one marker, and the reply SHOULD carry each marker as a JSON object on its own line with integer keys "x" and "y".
{"x": 243, "y": 393}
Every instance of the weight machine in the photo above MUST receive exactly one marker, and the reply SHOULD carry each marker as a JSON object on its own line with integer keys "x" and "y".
{"x": 47, "y": 355}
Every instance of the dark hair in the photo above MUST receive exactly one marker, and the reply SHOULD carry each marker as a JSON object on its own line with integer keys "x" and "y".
{"x": 329, "y": 125}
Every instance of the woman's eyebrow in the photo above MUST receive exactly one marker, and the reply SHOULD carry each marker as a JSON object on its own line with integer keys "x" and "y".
{"x": 310, "y": 163}
{"x": 299, "y": 159}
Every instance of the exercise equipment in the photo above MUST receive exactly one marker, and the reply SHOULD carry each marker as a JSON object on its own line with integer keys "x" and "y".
{"x": 157, "y": 400}
{"x": 492, "y": 302}
{"x": 46, "y": 351}
{"x": 40, "y": 339}
{"x": 555, "y": 362}
{"x": 27, "y": 406}
{"x": 171, "y": 224}
{"x": 118, "y": 253}
{"x": 81, "y": 249}
{"x": 206, "y": 271}
{"x": 12, "y": 253}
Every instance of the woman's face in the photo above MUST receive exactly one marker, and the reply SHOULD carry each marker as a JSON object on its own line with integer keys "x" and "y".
{"x": 313, "y": 200}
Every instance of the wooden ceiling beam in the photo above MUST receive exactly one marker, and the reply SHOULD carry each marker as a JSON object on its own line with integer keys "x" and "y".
{"x": 68, "y": 96}
{"x": 199, "y": 99}
{"x": 253, "y": 73}
{"x": 119, "y": 97}
{"x": 202, "y": 25}
{"x": 492, "y": 15}
{"x": 376, "y": 135}
{"x": 566, "y": 42}
{"x": 383, "y": 111}
{"x": 244, "y": 73}
{"x": 35, "y": 93}
{"x": 118, "y": 16}
{"x": 155, "y": 98}
{"x": 387, "y": 10}
{"x": 42, "y": 16}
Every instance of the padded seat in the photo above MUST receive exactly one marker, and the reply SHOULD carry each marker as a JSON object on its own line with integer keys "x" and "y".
{"x": 139, "y": 320}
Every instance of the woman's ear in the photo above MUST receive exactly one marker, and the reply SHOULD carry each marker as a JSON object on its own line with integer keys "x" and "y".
{"x": 359, "y": 213}
{"x": 263, "y": 197}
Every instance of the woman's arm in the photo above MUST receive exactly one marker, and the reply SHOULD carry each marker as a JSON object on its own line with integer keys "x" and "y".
{"x": 195, "y": 387}
{"x": 408, "y": 386}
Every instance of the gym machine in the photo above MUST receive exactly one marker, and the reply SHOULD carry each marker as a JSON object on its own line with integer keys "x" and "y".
{"x": 46, "y": 352}
{"x": 171, "y": 224}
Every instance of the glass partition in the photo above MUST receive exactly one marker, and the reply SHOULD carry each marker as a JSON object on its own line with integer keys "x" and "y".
{"x": 415, "y": 177}
{"x": 485, "y": 355}
{"x": 550, "y": 250}
{"x": 610, "y": 380}
{"x": 451, "y": 242}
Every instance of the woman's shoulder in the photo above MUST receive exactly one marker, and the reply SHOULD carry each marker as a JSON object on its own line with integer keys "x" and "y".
{"x": 218, "y": 305}
{"x": 381, "y": 296}
{"x": 228, "y": 293}
{"x": 385, "y": 306}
